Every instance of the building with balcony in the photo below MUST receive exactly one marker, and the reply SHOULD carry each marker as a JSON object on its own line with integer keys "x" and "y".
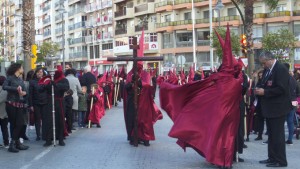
{"x": 130, "y": 18}
{"x": 99, "y": 33}
{"x": 174, "y": 27}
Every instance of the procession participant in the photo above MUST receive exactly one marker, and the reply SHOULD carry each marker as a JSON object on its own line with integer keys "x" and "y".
{"x": 97, "y": 110}
{"x": 3, "y": 114}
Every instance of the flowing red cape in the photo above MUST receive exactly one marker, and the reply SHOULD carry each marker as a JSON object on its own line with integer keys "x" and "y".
{"x": 206, "y": 115}
{"x": 98, "y": 110}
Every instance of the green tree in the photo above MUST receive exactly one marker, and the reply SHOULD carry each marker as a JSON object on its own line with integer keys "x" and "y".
{"x": 47, "y": 49}
{"x": 235, "y": 43}
{"x": 280, "y": 43}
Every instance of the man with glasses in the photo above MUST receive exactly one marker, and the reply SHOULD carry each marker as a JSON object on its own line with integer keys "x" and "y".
{"x": 275, "y": 105}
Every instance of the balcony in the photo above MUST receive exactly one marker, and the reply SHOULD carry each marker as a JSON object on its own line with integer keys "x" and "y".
{"x": 46, "y": 8}
{"x": 91, "y": 7}
{"x": 74, "y": 41}
{"x": 281, "y": 16}
{"x": 104, "y": 20}
{"x": 164, "y": 6}
{"x": 144, "y": 9}
{"x": 120, "y": 31}
{"x": 296, "y": 13}
{"x": 106, "y": 36}
{"x": 139, "y": 28}
{"x": 46, "y": 34}
{"x": 58, "y": 17}
{"x": 70, "y": 2}
{"x": 106, "y": 4}
{"x": 124, "y": 14}
{"x": 76, "y": 26}
{"x": 58, "y": 31}
{"x": 203, "y": 42}
{"x": 46, "y": 21}
{"x": 259, "y": 18}
{"x": 78, "y": 54}
{"x": 74, "y": 12}
{"x": 90, "y": 39}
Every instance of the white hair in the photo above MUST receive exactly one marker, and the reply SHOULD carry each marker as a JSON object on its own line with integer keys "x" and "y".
{"x": 87, "y": 68}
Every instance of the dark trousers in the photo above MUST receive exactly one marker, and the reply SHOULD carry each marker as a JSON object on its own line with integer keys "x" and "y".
{"x": 69, "y": 118}
{"x": 39, "y": 111}
{"x": 4, "y": 130}
{"x": 276, "y": 142}
{"x": 16, "y": 120}
{"x": 241, "y": 129}
{"x": 129, "y": 118}
{"x": 260, "y": 123}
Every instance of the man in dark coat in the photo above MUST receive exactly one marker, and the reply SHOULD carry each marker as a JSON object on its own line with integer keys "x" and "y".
{"x": 275, "y": 105}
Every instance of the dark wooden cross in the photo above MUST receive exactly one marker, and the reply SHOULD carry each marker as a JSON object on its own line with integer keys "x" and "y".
{"x": 135, "y": 60}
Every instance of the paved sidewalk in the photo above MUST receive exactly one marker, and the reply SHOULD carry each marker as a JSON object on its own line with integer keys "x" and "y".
{"x": 107, "y": 148}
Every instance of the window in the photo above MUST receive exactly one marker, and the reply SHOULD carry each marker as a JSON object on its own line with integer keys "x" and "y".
{"x": 280, "y": 7}
{"x": 153, "y": 37}
{"x": 188, "y": 16}
{"x": 297, "y": 30}
{"x": 231, "y": 11}
{"x": 107, "y": 46}
{"x": 97, "y": 54}
{"x": 167, "y": 40}
{"x": 130, "y": 38}
{"x": 184, "y": 37}
{"x": 205, "y": 14}
{"x": 257, "y": 9}
{"x": 167, "y": 18}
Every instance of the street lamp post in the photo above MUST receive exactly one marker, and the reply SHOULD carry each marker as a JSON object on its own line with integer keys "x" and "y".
{"x": 218, "y": 7}
{"x": 15, "y": 34}
{"x": 211, "y": 51}
{"x": 61, "y": 10}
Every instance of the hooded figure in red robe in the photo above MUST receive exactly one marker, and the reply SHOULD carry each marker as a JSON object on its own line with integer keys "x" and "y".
{"x": 61, "y": 85}
{"x": 98, "y": 110}
{"x": 206, "y": 115}
{"x": 148, "y": 112}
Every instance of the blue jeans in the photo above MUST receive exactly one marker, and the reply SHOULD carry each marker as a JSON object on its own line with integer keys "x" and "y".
{"x": 81, "y": 116}
{"x": 290, "y": 123}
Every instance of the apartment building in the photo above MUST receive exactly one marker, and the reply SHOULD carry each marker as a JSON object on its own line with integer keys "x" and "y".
{"x": 11, "y": 30}
{"x": 99, "y": 34}
{"x": 131, "y": 17}
{"x": 174, "y": 27}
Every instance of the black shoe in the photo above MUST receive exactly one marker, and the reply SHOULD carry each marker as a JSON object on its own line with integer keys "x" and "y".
{"x": 276, "y": 165}
{"x": 239, "y": 159}
{"x": 289, "y": 142}
{"x": 258, "y": 138}
{"x": 69, "y": 131}
{"x": 267, "y": 161}
{"x": 245, "y": 146}
{"x": 146, "y": 143}
{"x": 265, "y": 142}
{"x": 73, "y": 128}
{"x": 12, "y": 147}
{"x": 98, "y": 126}
{"x": 38, "y": 138}
{"x": 25, "y": 138}
{"x": 247, "y": 139}
{"x": 47, "y": 144}
{"x": 21, "y": 146}
{"x": 62, "y": 143}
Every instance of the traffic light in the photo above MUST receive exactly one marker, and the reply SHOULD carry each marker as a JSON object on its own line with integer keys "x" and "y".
{"x": 244, "y": 44}
{"x": 34, "y": 58}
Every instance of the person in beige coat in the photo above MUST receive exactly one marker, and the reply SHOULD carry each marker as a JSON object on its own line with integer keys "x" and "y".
{"x": 76, "y": 88}
{"x": 3, "y": 114}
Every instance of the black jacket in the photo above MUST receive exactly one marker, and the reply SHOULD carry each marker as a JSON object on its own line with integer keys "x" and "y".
{"x": 87, "y": 80}
{"x": 276, "y": 101}
{"x": 36, "y": 97}
{"x": 10, "y": 85}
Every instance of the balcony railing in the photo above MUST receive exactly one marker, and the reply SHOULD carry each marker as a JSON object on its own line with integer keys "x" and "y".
{"x": 90, "y": 39}
{"x": 105, "y": 36}
{"x": 46, "y": 8}
{"x": 58, "y": 17}
{"x": 48, "y": 33}
{"x": 203, "y": 42}
{"x": 259, "y": 15}
{"x": 163, "y": 3}
{"x": 140, "y": 27}
{"x": 46, "y": 21}
{"x": 74, "y": 41}
{"x": 58, "y": 30}
{"x": 278, "y": 14}
{"x": 205, "y": 20}
{"x": 177, "y": 2}
{"x": 78, "y": 54}
{"x": 74, "y": 12}
{"x": 106, "y": 4}
{"x": 120, "y": 13}
{"x": 296, "y": 13}
{"x": 120, "y": 31}
{"x": 58, "y": 3}
{"x": 141, "y": 8}
{"x": 76, "y": 26}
